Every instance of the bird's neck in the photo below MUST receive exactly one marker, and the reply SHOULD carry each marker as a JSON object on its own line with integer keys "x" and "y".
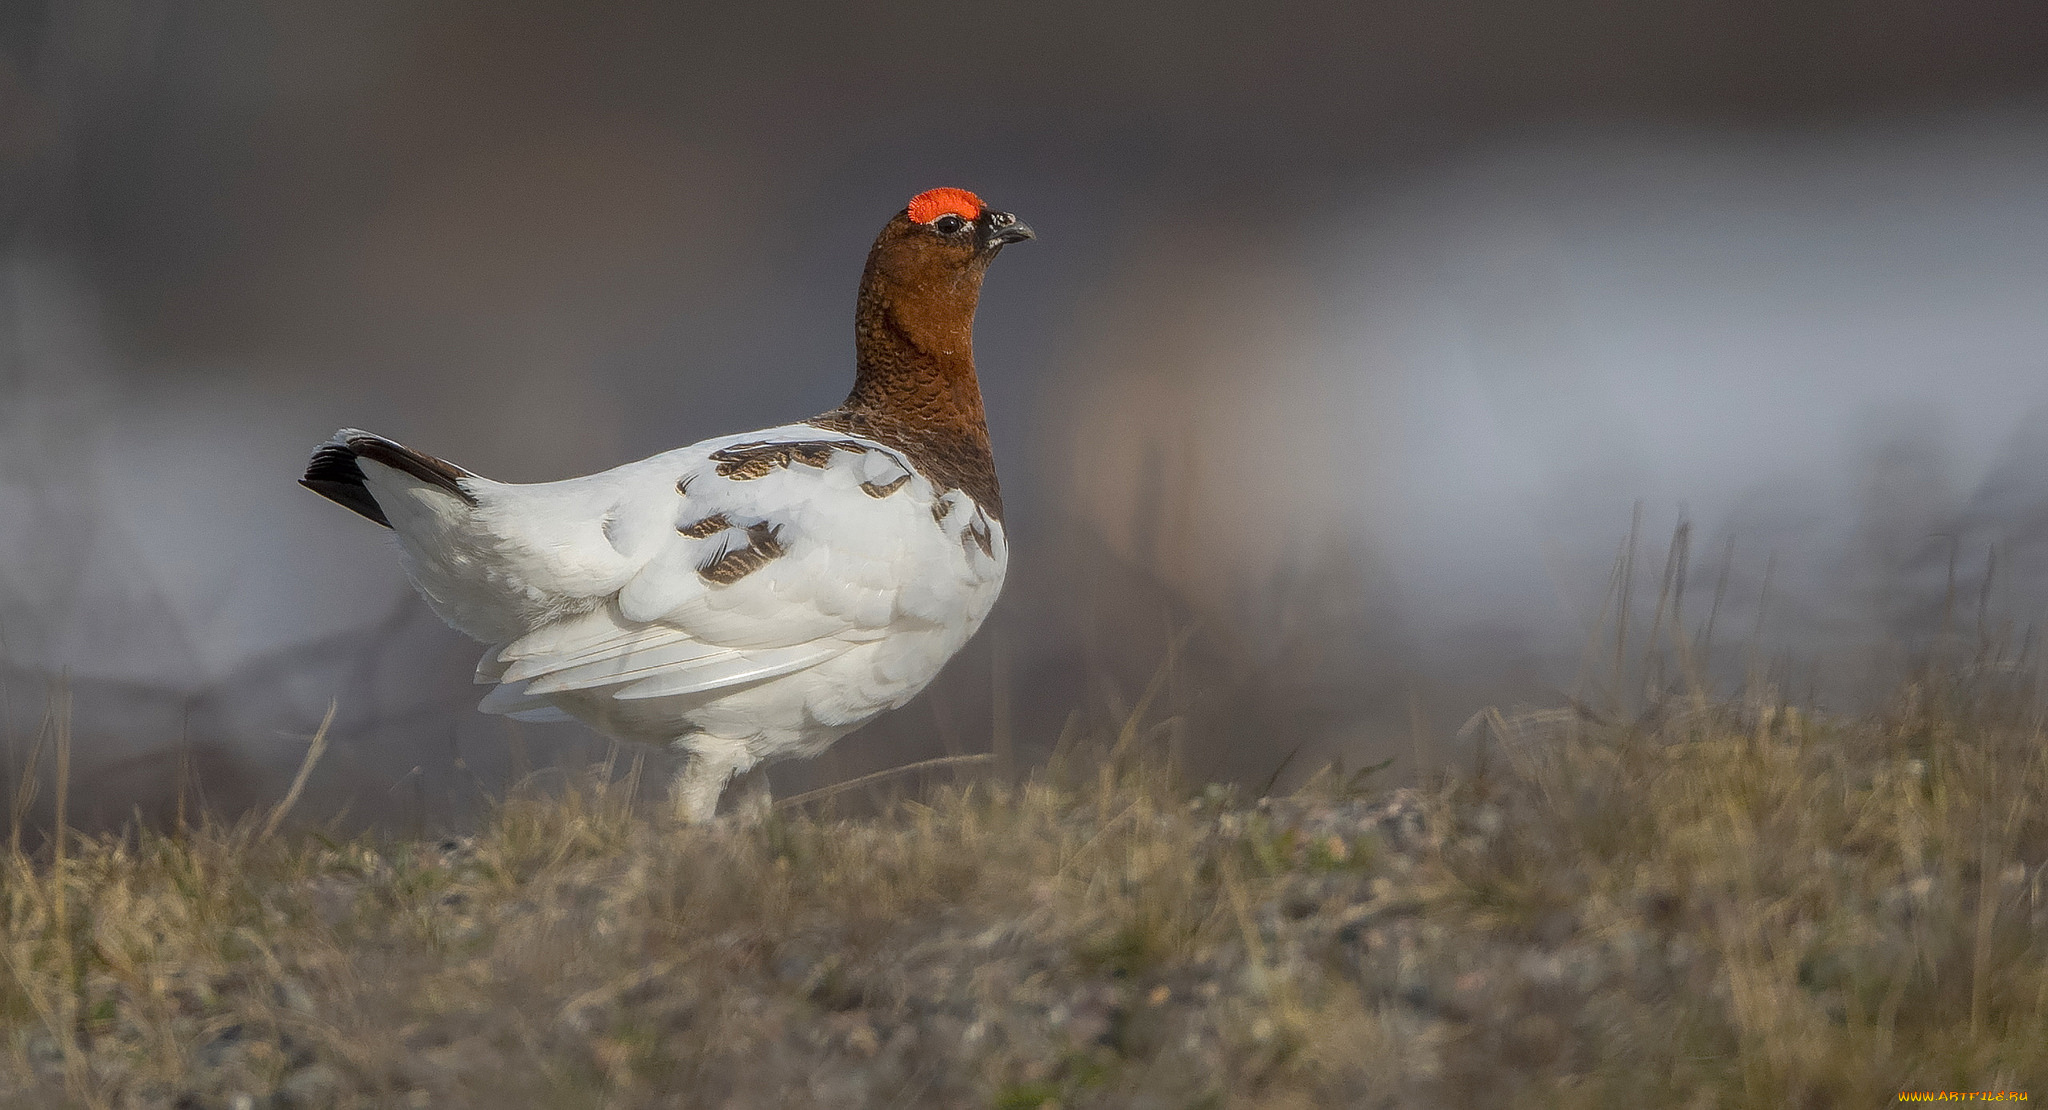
{"x": 915, "y": 389}
{"x": 914, "y": 349}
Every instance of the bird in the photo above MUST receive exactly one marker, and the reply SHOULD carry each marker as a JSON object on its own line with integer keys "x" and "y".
{"x": 751, "y": 597}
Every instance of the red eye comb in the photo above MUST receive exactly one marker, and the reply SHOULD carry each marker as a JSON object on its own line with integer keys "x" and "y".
{"x": 931, "y": 204}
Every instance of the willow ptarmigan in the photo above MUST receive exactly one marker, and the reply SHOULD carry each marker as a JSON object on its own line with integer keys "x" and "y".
{"x": 751, "y": 597}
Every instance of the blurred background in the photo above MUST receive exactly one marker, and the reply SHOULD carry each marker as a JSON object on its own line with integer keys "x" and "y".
{"x": 1358, "y": 341}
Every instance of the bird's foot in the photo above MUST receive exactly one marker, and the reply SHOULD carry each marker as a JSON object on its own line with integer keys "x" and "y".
{"x": 752, "y": 801}
{"x": 713, "y": 763}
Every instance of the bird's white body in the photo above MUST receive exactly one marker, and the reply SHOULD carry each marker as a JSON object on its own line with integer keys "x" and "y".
{"x": 748, "y": 598}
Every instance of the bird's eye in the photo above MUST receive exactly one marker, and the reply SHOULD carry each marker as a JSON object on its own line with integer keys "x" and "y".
{"x": 949, "y": 225}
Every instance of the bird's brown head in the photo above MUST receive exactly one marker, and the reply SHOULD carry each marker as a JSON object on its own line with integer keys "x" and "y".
{"x": 927, "y": 263}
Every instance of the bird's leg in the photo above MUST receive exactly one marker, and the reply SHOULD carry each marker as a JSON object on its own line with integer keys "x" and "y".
{"x": 752, "y": 801}
{"x": 713, "y": 762}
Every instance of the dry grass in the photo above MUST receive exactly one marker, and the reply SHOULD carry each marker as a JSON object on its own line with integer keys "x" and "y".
{"x": 1714, "y": 904}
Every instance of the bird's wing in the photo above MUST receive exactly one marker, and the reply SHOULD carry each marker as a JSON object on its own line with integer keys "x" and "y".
{"x": 730, "y": 562}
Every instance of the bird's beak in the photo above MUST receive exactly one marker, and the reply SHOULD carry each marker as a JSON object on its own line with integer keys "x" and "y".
{"x": 999, "y": 228}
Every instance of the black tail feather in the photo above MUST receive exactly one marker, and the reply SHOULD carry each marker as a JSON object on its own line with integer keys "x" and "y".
{"x": 335, "y": 474}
